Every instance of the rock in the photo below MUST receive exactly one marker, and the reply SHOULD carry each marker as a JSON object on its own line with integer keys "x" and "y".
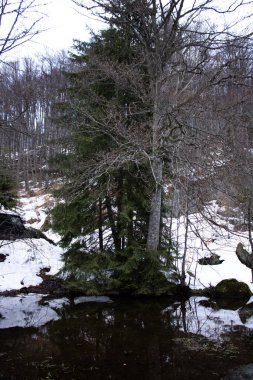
{"x": 2, "y": 257}
{"x": 242, "y": 227}
{"x": 33, "y": 233}
{"x": 31, "y": 221}
{"x": 12, "y": 228}
{"x": 210, "y": 260}
{"x": 244, "y": 256}
{"x": 231, "y": 288}
{"x": 231, "y": 303}
{"x": 246, "y": 312}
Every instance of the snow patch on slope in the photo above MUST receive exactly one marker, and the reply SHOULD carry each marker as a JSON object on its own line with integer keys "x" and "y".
{"x": 24, "y": 260}
{"x": 203, "y": 238}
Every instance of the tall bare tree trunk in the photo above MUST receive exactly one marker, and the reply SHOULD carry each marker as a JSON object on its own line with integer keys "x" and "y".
{"x": 155, "y": 211}
{"x": 157, "y": 171}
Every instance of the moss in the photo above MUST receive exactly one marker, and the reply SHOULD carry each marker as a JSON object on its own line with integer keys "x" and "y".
{"x": 246, "y": 312}
{"x": 231, "y": 303}
{"x": 231, "y": 288}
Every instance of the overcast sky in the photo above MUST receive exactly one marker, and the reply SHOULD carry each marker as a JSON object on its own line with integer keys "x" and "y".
{"x": 63, "y": 23}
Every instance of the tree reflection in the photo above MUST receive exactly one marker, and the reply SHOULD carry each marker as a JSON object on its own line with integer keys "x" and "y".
{"x": 145, "y": 339}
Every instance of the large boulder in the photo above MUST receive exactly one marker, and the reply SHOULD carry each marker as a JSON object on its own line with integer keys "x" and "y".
{"x": 231, "y": 288}
{"x": 2, "y": 257}
{"x": 12, "y": 228}
{"x": 244, "y": 256}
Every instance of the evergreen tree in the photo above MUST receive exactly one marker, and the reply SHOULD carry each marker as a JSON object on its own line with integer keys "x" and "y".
{"x": 108, "y": 178}
{"x": 8, "y": 190}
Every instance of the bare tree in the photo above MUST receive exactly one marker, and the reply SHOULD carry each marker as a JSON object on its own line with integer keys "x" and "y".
{"x": 28, "y": 133}
{"x": 179, "y": 51}
{"x": 19, "y": 23}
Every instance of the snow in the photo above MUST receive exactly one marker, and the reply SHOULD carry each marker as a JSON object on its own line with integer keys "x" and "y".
{"x": 204, "y": 238}
{"x": 100, "y": 299}
{"x": 212, "y": 324}
{"x": 9, "y": 212}
{"x": 34, "y": 209}
{"x": 26, "y": 311}
{"x": 25, "y": 258}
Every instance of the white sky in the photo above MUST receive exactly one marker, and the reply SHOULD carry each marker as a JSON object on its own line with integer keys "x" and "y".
{"x": 63, "y": 23}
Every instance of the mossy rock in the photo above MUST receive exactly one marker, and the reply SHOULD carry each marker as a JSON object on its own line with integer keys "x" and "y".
{"x": 231, "y": 303}
{"x": 231, "y": 288}
{"x": 246, "y": 312}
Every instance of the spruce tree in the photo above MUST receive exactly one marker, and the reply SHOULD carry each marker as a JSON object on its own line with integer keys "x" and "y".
{"x": 8, "y": 190}
{"x": 108, "y": 182}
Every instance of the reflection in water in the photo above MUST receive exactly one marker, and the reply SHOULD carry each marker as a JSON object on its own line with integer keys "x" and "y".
{"x": 28, "y": 311}
{"x": 90, "y": 338}
{"x": 244, "y": 372}
{"x": 212, "y": 322}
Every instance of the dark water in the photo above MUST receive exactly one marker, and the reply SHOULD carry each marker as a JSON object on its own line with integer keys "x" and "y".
{"x": 125, "y": 339}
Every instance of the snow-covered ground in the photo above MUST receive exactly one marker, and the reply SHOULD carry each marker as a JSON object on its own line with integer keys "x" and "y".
{"x": 33, "y": 209}
{"x": 25, "y": 258}
{"x": 204, "y": 238}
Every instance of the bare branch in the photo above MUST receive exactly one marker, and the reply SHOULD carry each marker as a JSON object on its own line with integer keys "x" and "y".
{"x": 19, "y": 23}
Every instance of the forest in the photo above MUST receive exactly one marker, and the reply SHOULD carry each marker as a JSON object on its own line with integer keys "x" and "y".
{"x": 149, "y": 120}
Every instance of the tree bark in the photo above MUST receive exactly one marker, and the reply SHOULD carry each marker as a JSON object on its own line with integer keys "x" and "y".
{"x": 116, "y": 239}
{"x": 155, "y": 216}
{"x": 244, "y": 256}
{"x": 100, "y": 228}
{"x": 157, "y": 171}
{"x": 155, "y": 209}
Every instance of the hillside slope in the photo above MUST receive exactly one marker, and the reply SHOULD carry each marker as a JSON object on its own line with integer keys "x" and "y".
{"x": 23, "y": 260}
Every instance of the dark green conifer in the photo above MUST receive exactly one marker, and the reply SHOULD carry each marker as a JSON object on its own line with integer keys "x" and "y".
{"x": 104, "y": 211}
{"x": 8, "y": 190}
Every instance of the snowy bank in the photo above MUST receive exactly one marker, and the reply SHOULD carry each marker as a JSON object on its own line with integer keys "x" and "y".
{"x": 24, "y": 260}
{"x": 206, "y": 234}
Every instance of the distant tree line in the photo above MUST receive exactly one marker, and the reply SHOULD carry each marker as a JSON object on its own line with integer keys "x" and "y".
{"x": 30, "y": 137}
{"x": 19, "y": 23}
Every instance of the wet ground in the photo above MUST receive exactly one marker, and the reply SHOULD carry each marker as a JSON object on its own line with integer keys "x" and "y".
{"x": 103, "y": 338}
